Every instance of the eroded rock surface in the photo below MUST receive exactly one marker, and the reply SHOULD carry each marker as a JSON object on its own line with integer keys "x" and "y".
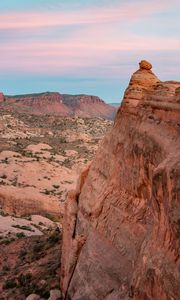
{"x": 121, "y": 225}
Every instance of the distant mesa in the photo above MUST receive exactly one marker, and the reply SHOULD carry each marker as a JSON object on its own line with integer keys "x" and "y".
{"x": 53, "y": 103}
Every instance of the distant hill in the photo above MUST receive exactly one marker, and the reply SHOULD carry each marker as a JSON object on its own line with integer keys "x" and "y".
{"x": 54, "y": 103}
{"x": 114, "y": 104}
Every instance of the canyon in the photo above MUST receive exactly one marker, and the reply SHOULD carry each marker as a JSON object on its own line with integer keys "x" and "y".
{"x": 65, "y": 105}
{"x": 121, "y": 222}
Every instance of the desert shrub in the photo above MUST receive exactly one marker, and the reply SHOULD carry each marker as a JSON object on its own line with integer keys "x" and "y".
{"x": 10, "y": 284}
{"x": 6, "y": 268}
{"x": 51, "y": 217}
{"x": 4, "y": 176}
{"x": 3, "y": 214}
{"x": 20, "y": 235}
{"x": 56, "y": 186}
{"x": 38, "y": 247}
{"x": 54, "y": 237}
{"x": 22, "y": 254}
{"x": 5, "y": 242}
{"x": 23, "y": 227}
{"x": 24, "y": 279}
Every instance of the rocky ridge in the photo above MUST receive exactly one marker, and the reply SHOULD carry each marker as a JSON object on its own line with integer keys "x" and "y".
{"x": 59, "y": 104}
{"x": 88, "y": 106}
{"x": 120, "y": 237}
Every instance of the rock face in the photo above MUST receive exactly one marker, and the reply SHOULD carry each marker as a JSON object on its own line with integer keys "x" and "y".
{"x": 120, "y": 236}
{"x": 45, "y": 103}
{"x": 62, "y": 105}
{"x": 89, "y": 106}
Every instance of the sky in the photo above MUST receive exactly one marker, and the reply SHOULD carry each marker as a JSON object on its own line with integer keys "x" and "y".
{"x": 86, "y": 46}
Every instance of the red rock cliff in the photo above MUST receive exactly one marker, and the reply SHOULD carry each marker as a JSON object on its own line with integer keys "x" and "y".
{"x": 89, "y": 106}
{"x": 44, "y": 103}
{"x": 121, "y": 224}
{"x": 84, "y": 106}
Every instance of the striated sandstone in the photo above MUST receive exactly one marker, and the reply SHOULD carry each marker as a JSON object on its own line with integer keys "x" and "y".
{"x": 44, "y": 103}
{"x": 89, "y": 106}
{"x": 120, "y": 238}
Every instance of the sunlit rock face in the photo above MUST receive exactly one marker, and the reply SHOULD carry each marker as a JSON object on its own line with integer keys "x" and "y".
{"x": 121, "y": 224}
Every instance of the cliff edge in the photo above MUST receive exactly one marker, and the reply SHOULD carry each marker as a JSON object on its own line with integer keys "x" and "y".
{"x": 121, "y": 225}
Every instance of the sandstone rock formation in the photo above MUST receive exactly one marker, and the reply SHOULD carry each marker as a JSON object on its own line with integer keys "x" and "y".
{"x": 89, "y": 106}
{"x": 144, "y": 64}
{"x": 59, "y": 104}
{"x": 23, "y": 202}
{"x": 120, "y": 236}
{"x": 44, "y": 103}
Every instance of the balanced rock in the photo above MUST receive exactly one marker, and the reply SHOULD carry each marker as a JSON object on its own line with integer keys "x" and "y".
{"x": 144, "y": 64}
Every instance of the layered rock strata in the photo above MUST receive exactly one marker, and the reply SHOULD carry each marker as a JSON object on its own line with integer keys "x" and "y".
{"x": 85, "y": 106}
{"x": 89, "y": 106}
{"x": 44, "y": 103}
{"x": 121, "y": 225}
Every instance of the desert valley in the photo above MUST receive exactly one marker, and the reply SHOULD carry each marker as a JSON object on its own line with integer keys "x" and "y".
{"x": 89, "y": 150}
{"x": 81, "y": 218}
{"x": 41, "y": 156}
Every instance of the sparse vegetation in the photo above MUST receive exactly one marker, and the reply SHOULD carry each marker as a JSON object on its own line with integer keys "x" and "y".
{"x": 56, "y": 186}
{"x": 23, "y": 227}
{"x": 20, "y": 235}
{"x": 37, "y": 253}
{"x": 10, "y": 284}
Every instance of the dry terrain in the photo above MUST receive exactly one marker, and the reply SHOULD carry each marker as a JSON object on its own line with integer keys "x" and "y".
{"x": 40, "y": 159}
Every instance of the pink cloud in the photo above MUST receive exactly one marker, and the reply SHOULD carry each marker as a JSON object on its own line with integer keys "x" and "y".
{"x": 90, "y": 46}
{"x": 128, "y": 12}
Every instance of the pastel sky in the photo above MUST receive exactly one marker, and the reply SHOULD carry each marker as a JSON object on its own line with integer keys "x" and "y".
{"x": 86, "y": 46}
